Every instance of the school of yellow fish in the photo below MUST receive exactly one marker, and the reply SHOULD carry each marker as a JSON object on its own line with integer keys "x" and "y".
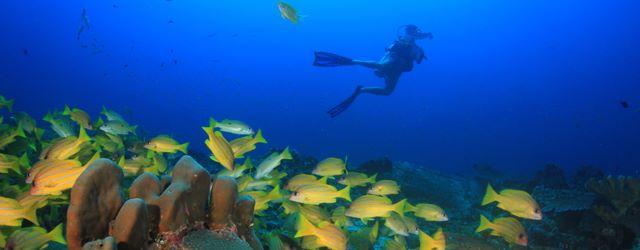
{"x": 38, "y": 167}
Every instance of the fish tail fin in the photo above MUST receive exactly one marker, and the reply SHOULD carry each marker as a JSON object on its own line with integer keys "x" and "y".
{"x": 83, "y": 136}
{"x": 286, "y": 155}
{"x": 56, "y": 235}
{"x": 345, "y": 193}
{"x": 484, "y": 224}
{"x": 104, "y": 110}
{"x": 399, "y": 207}
{"x": 23, "y": 161}
{"x": 426, "y": 241}
{"x": 133, "y": 129}
{"x": 20, "y": 131}
{"x": 30, "y": 214}
{"x": 305, "y": 228}
{"x": 48, "y": 117}
{"x": 275, "y": 193}
{"x": 323, "y": 180}
{"x": 67, "y": 110}
{"x": 439, "y": 235}
{"x": 259, "y": 138}
{"x": 122, "y": 161}
{"x": 490, "y": 195}
{"x": 10, "y": 105}
{"x": 372, "y": 179}
{"x": 183, "y": 147}
{"x": 212, "y": 122}
{"x": 98, "y": 123}
{"x": 39, "y": 132}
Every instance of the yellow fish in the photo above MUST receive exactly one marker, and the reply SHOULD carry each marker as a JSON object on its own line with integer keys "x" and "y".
{"x": 232, "y": 126}
{"x": 365, "y": 237}
{"x": 243, "y": 145}
{"x": 371, "y": 206}
{"x": 508, "y": 228}
{"x": 27, "y": 200}
{"x": 238, "y": 170}
{"x": 430, "y": 212}
{"x": 10, "y": 137}
{"x": 61, "y": 125}
{"x": 159, "y": 163}
{"x": 397, "y": 243}
{"x": 12, "y": 213}
{"x": 435, "y": 242}
{"x": 411, "y": 224}
{"x": 327, "y": 234}
{"x": 118, "y": 127}
{"x": 339, "y": 218}
{"x": 303, "y": 179}
{"x": 45, "y": 164}
{"x": 263, "y": 199}
{"x": 69, "y": 146}
{"x": 315, "y": 214}
{"x": 330, "y": 167}
{"x": 288, "y": 12}
{"x": 384, "y": 187}
{"x": 105, "y": 143}
{"x": 111, "y": 115}
{"x": 135, "y": 166}
{"x": 271, "y": 162}
{"x": 315, "y": 194}
{"x": 13, "y": 163}
{"x": 396, "y": 224}
{"x": 53, "y": 181}
{"x": 34, "y": 238}
{"x": 5, "y": 103}
{"x": 516, "y": 202}
{"x": 79, "y": 116}
{"x": 166, "y": 144}
{"x": 355, "y": 179}
{"x": 220, "y": 148}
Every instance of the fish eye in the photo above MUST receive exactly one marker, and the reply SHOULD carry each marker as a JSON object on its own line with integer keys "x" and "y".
{"x": 537, "y": 211}
{"x": 33, "y": 183}
{"x": 520, "y": 236}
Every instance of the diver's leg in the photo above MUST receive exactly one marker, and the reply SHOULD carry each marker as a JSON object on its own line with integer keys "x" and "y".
{"x": 368, "y": 64}
{"x": 390, "y": 84}
{"x": 338, "y": 109}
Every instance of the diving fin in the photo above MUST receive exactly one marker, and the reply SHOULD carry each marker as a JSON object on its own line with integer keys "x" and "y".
{"x": 326, "y": 59}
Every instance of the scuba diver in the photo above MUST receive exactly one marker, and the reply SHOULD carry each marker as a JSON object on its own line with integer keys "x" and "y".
{"x": 399, "y": 58}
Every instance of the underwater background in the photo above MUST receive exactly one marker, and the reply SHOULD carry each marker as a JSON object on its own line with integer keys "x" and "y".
{"x": 512, "y": 84}
{"x": 537, "y": 99}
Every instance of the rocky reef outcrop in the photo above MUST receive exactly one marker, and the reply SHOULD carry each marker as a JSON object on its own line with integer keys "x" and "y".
{"x": 189, "y": 210}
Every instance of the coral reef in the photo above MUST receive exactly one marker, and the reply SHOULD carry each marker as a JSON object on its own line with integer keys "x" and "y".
{"x": 380, "y": 166}
{"x": 170, "y": 216}
{"x": 551, "y": 176}
{"x": 563, "y": 200}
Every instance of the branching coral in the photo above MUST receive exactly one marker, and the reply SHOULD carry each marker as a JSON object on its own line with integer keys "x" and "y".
{"x": 621, "y": 192}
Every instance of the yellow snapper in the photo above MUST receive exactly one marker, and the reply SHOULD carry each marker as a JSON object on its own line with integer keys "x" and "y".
{"x": 384, "y": 187}
{"x": 136, "y": 166}
{"x": 263, "y": 199}
{"x": 166, "y": 144}
{"x": 111, "y": 115}
{"x": 315, "y": 214}
{"x": 330, "y": 167}
{"x": 508, "y": 228}
{"x": 327, "y": 234}
{"x": 435, "y": 242}
{"x": 159, "y": 163}
{"x": 238, "y": 170}
{"x": 315, "y": 194}
{"x": 339, "y": 218}
{"x": 25, "y": 121}
{"x": 9, "y": 137}
{"x": 243, "y": 145}
{"x": 45, "y": 164}
{"x": 27, "y": 200}
{"x": 288, "y": 12}
{"x": 118, "y": 127}
{"x": 107, "y": 144}
{"x": 430, "y": 212}
{"x": 13, "y": 163}
{"x": 396, "y": 224}
{"x": 355, "y": 179}
{"x": 371, "y": 206}
{"x": 516, "y": 202}
{"x": 79, "y": 116}
{"x": 69, "y": 146}
{"x": 232, "y": 126}
{"x": 303, "y": 179}
{"x": 55, "y": 180}
{"x": 34, "y": 238}
{"x": 61, "y": 125}
{"x": 411, "y": 224}
{"x": 6, "y": 103}
{"x": 220, "y": 148}
{"x": 271, "y": 162}
{"x": 12, "y": 213}
{"x": 397, "y": 243}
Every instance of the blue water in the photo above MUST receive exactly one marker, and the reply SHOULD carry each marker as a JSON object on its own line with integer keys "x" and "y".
{"x": 514, "y": 84}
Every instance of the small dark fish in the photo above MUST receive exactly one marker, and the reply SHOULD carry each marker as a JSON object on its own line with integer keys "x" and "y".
{"x": 25, "y": 52}
{"x": 115, "y": 6}
{"x": 162, "y": 65}
{"x": 170, "y": 22}
{"x": 125, "y": 66}
{"x": 174, "y": 61}
{"x": 171, "y": 50}
{"x": 624, "y": 104}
